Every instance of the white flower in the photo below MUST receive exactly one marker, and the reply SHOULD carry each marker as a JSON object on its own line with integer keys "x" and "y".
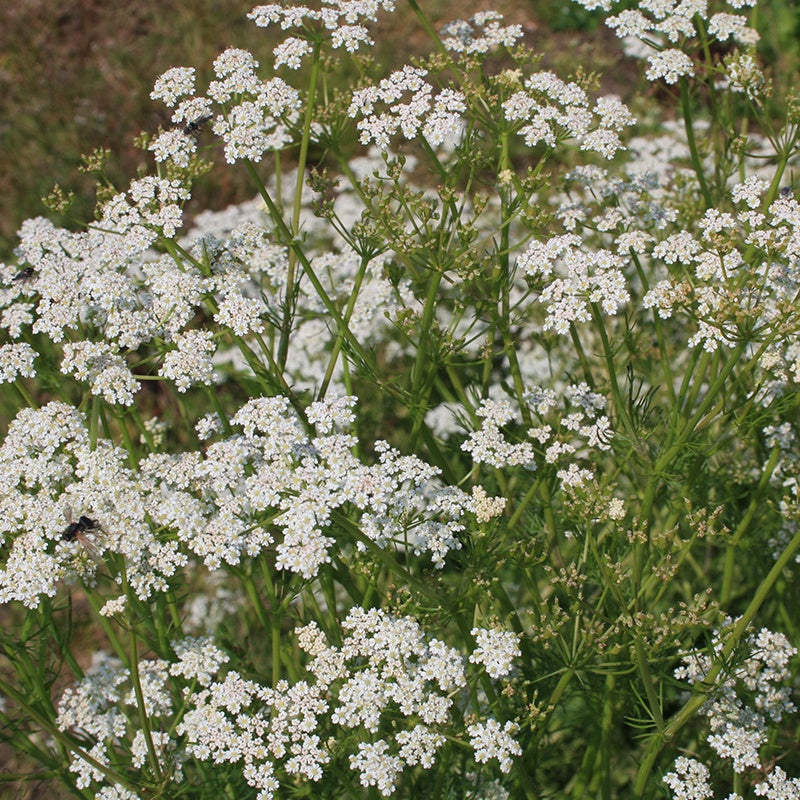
{"x": 333, "y": 412}
{"x": 745, "y": 74}
{"x": 490, "y": 740}
{"x": 199, "y": 659}
{"x": 727, "y": 26}
{"x": 778, "y": 786}
{"x": 496, "y": 650}
{"x": 190, "y": 362}
{"x": 16, "y": 360}
{"x": 351, "y": 37}
{"x": 106, "y": 371}
{"x": 255, "y": 126}
{"x": 173, "y": 145}
{"x": 172, "y": 84}
{"x": 290, "y": 52}
{"x": 235, "y": 69}
{"x": 669, "y": 65}
{"x": 241, "y": 314}
{"x": 433, "y": 116}
{"x": 482, "y": 33}
{"x": 689, "y": 781}
{"x": 484, "y": 507}
{"x": 376, "y": 766}
{"x": 574, "y": 477}
{"x": 630, "y": 23}
{"x": 419, "y": 745}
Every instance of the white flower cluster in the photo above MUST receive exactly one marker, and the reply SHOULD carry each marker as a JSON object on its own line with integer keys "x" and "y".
{"x": 739, "y": 711}
{"x": 16, "y": 360}
{"x": 259, "y": 118}
{"x": 490, "y": 740}
{"x": 342, "y": 19}
{"x": 96, "y": 280}
{"x": 488, "y": 444}
{"x": 50, "y": 473}
{"x": 574, "y": 280}
{"x": 173, "y": 145}
{"x": 150, "y": 208}
{"x": 434, "y": 117}
{"x": 190, "y": 362}
{"x": 174, "y": 83}
{"x": 105, "y": 371}
{"x": 484, "y": 507}
{"x": 76, "y": 276}
{"x": 662, "y": 23}
{"x": 495, "y": 650}
{"x": 213, "y": 503}
{"x": 745, "y": 75}
{"x": 481, "y": 33}
{"x": 396, "y": 496}
{"x": 690, "y": 780}
{"x": 671, "y": 65}
{"x": 585, "y": 426}
{"x": 102, "y": 704}
{"x": 711, "y": 264}
{"x": 632, "y": 200}
{"x": 106, "y": 282}
{"x": 254, "y": 126}
{"x": 551, "y": 110}
{"x": 384, "y": 667}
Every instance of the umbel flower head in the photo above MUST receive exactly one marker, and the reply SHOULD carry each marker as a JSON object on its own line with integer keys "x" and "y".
{"x": 386, "y": 668}
{"x": 210, "y": 508}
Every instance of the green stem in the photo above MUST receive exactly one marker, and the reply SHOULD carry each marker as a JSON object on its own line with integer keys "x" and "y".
{"x": 289, "y": 302}
{"x": 276, "y": 655}
{"x": 348, "y": 313}
{"x": 429, "y": 29}
{"x": 673, "y": 449}
{"x": 702, "y": 689}
{"x": 686, "y": 105}
{"x": 144, "y": 720}
{"x": 608, "y": 355}
{"x": 94, "y": 422}
{"x": 294, "y": 245}
{"x": 424, "y": 365}
{"x": 606, "y": 729}
{"x": 744, "y": 524}
{"x": 19, "y": 385}
{"x": 579, "y": 351}
{"x": 647, "y": 681}
{"x": 658, "y": 324}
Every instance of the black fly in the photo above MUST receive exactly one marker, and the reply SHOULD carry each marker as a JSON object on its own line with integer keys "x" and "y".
{"x": 76, "y": 532}
{"x": 194, "y": 127}
{"x": 24, "y": 275}
{"x": 74, "y": 529}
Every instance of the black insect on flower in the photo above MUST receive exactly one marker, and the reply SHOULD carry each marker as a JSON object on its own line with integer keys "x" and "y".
{"x": 194, "y": 127}
{"x": 75, "y": 529}
{"x": 23, "y": 276}
{"x": 76, "y": 532}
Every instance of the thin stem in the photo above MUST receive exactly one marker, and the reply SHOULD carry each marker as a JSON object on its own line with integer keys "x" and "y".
{"x": 702, "y": 689}
{"x": 289, "y": 300}
{"x": 688, "y": 122}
